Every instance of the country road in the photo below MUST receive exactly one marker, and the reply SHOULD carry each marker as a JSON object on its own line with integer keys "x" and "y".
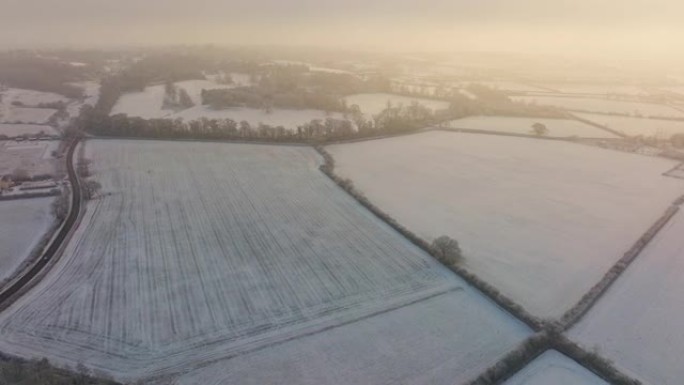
{"x": 8, "y": 294}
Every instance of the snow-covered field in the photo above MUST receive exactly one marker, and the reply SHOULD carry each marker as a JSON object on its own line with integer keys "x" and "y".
{"x": 27, "y": 115}
{"x": 32, "y": 157}
{"x": 23, "y": 223}
{"x": 30, "y": 98}
{"x": 445, "y": 340}
{"x": 289, "y": 119}
{"x": 202, "y": 251}
{"x": 540, "y": 220}
{"x": 502, "y": 86}
{"x": 603, "y": 105}
{"x": 373, "y": 104}
{"x": 91, "y": 94}
{"x": 12, "y": 130}
{"x": 148, "y": 105}
{"x": 598, "y": 89}
{"x": 515, "y": 125}
{"x": 553, "y": 368}
{"x": 638, "y": 323}
{"x": 637, "y": 126}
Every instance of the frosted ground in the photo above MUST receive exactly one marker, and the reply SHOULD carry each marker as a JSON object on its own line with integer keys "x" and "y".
{"x": 268, "y": 249}
{"x": 536, "y": 198}
{"x": 23, "y": 223}
{"x": 598, "y": 89}
{"x": 502, "y": 86}
{"x": 515, "y": 125}
{"x": 12, "y": 130}
{"x": 445, "y": 340}
{"x": 33, "y": 157}
{"x": 27, "y": 115}
{"x": 637, "y": 126}
{"x": 30, "y": 98}
{"x": 373, "y": 104}
{"x": 148, "y": 105}
{"x": 603, "y": 105}
{"x": 91, "y": 94}
{"x": 553, "y": 368}
{"x": 638, "y": 322}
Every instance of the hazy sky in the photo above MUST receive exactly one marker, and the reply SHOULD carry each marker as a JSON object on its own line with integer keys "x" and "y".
{"x": 636, "y": 27}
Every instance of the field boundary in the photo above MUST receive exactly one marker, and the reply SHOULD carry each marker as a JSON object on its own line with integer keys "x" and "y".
{"x": 599, "y": 126}
{"x": 549, "y": 334}
{"x": 577, "y": 312}
{"x": 488, "y": 290}
{"x": 513, "y": 134}
{"x": 54, "y": 249}
{"x": 671, "y": 172}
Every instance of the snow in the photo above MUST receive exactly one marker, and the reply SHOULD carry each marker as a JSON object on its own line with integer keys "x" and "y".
{"x": 515, "y": 125}
{"x": 445, "y": 340}
{"x": 195, "y": 87}
{"x": 553, "y": 368}
{"x": 12, "y": 130}
{"x": 23, "y": 223}
{"x": 148, "y": 105}
{"x": 373, "y": 104}
{"x": 519, "y": 207}
{"x": 11, "y": 114}
{"x": 289, "y": 119}
{"x": 30, "y": 98}
{"x": 637, "y": 126}
{"x": 195, "y": 252}
{"x": 637, "y": 324}
{"x": 33, "y": 157}
{"x": 598, "y": 89}
{"x": 502, "y": 85}
{"x": 603, "y": 105}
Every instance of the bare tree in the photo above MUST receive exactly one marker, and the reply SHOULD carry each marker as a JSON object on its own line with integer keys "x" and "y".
{"x": 91, "y": 188}
{"x": 447, "y": 250}
{"x": 539, "y": 129}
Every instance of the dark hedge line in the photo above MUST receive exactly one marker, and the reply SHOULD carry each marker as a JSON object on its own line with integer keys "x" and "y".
{"x": 15, "y": 371}
{"x": 514, "y": 361}
{"x": 600, "y": 366}
{"x": 328, "y": 168}
{"x": 551, "y": 339}
{"x": 572, "y": 316}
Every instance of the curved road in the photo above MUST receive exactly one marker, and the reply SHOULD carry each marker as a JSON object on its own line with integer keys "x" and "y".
{"x": 6, "y": 296}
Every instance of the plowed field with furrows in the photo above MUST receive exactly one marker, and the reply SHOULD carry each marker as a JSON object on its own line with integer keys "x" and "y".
{"x": 199, "y": 251}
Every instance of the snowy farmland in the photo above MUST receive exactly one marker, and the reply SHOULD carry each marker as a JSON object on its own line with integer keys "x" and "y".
{"x": 267, "y": 249}
{"x": 603, "y": 105}
{"x": 514, "y": 125}
{"x": 13, "y": 130}
{"x": 535, "y": 198}
{"x": 148, "y": 105}
{"x": 445, "y": 340}
{"x": 553, "y": 368}
{"x": 30, "y": 98}
{"x": 373, "y": 104}
{"x": 598, "y": 89}
{"x": 637, "y": 126}
{"x": 33, "y": 157}
{"x": 27, "y": 115}
{"x": 637, "y": 324}
{"x": 23, "y": 223}
{"x": 289, "y": 119}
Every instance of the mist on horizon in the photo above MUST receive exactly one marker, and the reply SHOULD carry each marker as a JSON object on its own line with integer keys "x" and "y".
{"x": 641, "y": 30}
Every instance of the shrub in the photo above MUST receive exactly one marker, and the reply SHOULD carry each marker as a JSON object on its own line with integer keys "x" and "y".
{"x": 447, "y": 250}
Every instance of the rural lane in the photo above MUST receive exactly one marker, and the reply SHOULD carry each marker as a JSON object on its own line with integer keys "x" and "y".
{"x": 10, "y": 293}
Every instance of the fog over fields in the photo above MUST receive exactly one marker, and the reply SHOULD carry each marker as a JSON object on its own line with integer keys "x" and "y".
{"x": 341, "y": 192}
